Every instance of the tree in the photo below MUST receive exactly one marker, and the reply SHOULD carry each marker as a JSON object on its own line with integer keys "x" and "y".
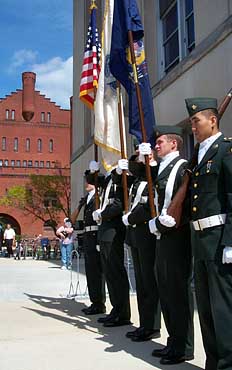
{"x": 44, "y": 197}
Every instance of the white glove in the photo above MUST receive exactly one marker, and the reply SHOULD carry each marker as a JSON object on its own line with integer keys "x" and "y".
{"x": 153, "y": 228}
{"x": 145, "y": 148}
{"x": 152, "y": 225}
{"x": 97, "y": 215}
{"x": 122, "y": 165}
{"x": 125, "y": 219}
{"x": 227, "y": 255}
{"x": 167, "y": 220}
{"x": 94, "y": 166}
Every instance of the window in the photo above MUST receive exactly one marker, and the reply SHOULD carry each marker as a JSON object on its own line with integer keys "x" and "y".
{"x": 189, "y": 23}
{"x": 171, "y": 38}
{"x": 13, "y": 114}
{"x": 18, "y": 163}
{"x": 46, "y": 203}
{"x": 48, "y": 164}
{"x": 4, "y": 143}
{"x": 49, "y": 117}
{"x": 29, "y": 163}
{"x": 16, "y": 144}
{"x": 1, "y": 163}
{"x": 7, "y": 114}
{"x": 6, "y": 162}
{"x": 42, "y": 116}
{"x": 12, "y": 163}
{"x": 24, "y": 163}
{"x": 176, "y": 32}
{"x": 28, "y": 145}
{"x": 36, "y": 163}
{"x": 50, "y": 199}
{"x": 39, "y": 145}
{"x": 51, "y": 146}
{"x": 41, "y": 164}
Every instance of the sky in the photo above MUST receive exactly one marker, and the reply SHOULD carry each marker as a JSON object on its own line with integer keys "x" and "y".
{"x": 36, "y": 36}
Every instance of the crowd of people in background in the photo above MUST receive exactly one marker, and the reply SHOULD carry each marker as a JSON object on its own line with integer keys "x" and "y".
{"x": 39, "y": 247}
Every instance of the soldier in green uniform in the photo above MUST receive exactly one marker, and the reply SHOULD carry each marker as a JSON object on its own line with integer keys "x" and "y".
{"x": 211, "y": 210}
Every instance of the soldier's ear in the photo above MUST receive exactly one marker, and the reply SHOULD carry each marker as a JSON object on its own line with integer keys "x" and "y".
{"x": 214, "y": 121}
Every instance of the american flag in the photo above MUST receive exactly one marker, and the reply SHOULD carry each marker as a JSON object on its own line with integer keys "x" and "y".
{"x": 91, "y": 63}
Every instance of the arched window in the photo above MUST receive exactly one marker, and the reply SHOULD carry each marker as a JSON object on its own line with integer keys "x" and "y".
{"x": 16, "y": 144}
{"x": 13, "y": 114}
{"x": 42, "y": 116}
{"x": 28, "y": 145}
{"x": 39, "y": 145}
{"x": 7, "y": 114}
{"x": 51, "y": 146}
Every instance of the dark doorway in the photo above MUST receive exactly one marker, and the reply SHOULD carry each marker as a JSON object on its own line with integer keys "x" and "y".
{"x": 7, "y": 219}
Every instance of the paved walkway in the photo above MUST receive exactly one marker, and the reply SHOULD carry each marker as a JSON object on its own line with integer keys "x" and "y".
{"x": 43, "y": 330}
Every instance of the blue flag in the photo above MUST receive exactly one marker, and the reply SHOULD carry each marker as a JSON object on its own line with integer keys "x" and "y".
{"x": 126, "y": 18}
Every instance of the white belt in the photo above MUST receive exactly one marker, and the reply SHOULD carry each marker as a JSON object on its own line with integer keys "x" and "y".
{"x": 211, "y": 221}
{"x": 91, "y": 228}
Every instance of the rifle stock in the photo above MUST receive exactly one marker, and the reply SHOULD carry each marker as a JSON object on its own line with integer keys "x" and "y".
{"x": 176, "y": 206}
{"x": 75, "y": 213}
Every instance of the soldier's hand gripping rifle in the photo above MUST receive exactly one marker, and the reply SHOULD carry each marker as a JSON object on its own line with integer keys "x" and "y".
{"x": 176, "y": 205}
{"x": 76, "y": 212}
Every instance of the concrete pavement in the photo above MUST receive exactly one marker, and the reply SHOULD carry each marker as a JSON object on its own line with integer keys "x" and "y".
{"x": 43, "y": 330}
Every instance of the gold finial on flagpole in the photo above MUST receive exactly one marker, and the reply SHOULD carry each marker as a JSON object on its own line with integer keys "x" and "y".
{"x": 93, "y": 4}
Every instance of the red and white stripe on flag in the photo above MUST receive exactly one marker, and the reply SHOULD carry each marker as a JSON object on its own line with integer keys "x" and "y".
{"x": 91, "y": 62}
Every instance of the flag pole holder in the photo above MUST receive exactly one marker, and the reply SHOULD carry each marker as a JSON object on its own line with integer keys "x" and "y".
{"x": 75, "y": 286}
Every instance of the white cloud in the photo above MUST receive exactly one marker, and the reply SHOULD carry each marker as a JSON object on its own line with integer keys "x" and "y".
{"x": 22, "y": 57}
{"x": 54, "y": 79}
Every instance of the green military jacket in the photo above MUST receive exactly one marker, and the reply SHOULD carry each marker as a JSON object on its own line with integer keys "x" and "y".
{"x": 211, "y": 194}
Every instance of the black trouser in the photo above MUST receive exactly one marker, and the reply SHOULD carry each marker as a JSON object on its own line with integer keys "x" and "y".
{"x": 112, "y": 257}
{"x": 143, "y": 250}
{"x": 93, "y": 269}
{"x": 174, "y": 271}
{"x": 9, "y": 243}
{"x": 213, "y": 284}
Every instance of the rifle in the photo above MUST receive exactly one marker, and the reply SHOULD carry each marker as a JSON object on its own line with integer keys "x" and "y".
{"x": 176, "y": 205}
{"x": 76, "y": 212}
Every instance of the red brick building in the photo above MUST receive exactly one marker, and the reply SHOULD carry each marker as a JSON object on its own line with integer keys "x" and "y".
{"x": 34, "y": 139}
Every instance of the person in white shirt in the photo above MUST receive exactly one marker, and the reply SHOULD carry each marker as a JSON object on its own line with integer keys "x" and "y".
{"x": 9, "y": 238}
